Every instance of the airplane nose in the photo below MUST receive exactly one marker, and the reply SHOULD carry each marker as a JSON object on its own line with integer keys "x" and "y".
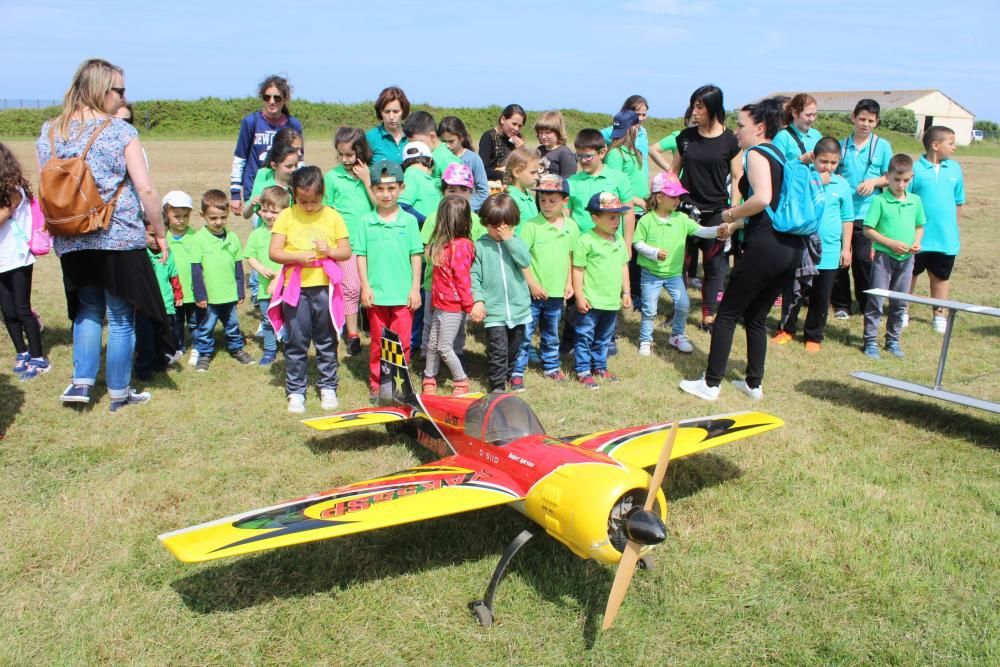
{"x": 645, "y": 527}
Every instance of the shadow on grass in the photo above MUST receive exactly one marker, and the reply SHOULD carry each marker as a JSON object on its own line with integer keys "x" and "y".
{"x": 11, "y": 404}
{"x": 329, "y": 566}
{"x": 921, "y": 413}
{"x": 987, "y": 331}
{"x": 691, "y": 474}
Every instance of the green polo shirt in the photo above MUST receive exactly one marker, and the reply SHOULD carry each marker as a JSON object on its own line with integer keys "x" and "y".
{"x": 258, "y": 247}
{"x": 602, "y": 261}
{"x": 895, "y": 219}
{"x": 427, "y": 231}
{"x": 550, "y": 247}
{"x": 623, "y": 160}
{"x": 525, "y": 204}
{"x": 181, "y": 250}
{"x": 669, "y": 142}
{"x": 383, "y": 146}
{"x": 421, "y": 190}
{"x": 583, "y": 186}
{"x": 262, "y": 181}
{"x": 669, "y": 234}
{"x": 349, "y": 197}
{"x": 164, "y": 272}
{"x": 392, "y": 244}
{"x": 218, "y": 257}
{"x": 442, "y": 157}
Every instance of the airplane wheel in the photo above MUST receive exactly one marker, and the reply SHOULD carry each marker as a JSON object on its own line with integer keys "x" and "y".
{"x": 482, "y": 613}
{"x": 646, "y": 563}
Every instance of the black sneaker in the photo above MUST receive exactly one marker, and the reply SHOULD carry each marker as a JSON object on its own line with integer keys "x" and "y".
{"x": 203, "y": 363}
{"x": 353, "y": 346}
{"x": 242, "y": 356}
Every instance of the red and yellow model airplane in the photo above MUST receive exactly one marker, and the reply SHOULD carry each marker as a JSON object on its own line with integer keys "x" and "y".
{"x": 590, "y": 492}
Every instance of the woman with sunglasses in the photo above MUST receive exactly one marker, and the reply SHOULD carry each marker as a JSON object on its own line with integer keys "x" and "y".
{"x": 257, "y": 132}
{"x": 107, "y": 273}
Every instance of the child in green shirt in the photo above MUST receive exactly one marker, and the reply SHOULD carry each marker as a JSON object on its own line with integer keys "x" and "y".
{"x": 521, "y": 173}
{"x": 388, "y": 251}
{"x": 499, "y": 289}
{"x": 895, "y": 225}
{"x": 177, "y": 207}
{"x": 217, "y": 281}
{"x": 550, "y": 238}
{"x": 273, "y": 201}
{"x": 660, "y": 241}
{"x": 601, "y": 287}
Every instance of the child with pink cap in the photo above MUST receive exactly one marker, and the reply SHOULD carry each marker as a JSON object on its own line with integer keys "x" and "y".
{"x": 660, "y": 240}
{"x": 457, "y": 180}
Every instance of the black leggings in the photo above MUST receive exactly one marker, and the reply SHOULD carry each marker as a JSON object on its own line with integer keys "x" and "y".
{"x": 818, "y": 294}
{"x": 15, "y": 301}
{"x": 714, "y": 265}
{"x": 768, "y": 261}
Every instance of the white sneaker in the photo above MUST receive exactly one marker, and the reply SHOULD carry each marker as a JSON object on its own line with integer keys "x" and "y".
{"x": 681, "y": 342}
{"x": 756, "y": 394}
{"x": 645, "y": 348}
{"x": 906, "y": 320}
{"x": 940, "y": 324}
{"x": 296, "y": 403}
{"x": 700, "y": 389}
{"x": 328, "y": 399}
{"x": 193, "y": 358}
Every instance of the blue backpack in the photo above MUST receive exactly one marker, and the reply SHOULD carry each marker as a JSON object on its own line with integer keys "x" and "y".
{"x": 802, "y": 200}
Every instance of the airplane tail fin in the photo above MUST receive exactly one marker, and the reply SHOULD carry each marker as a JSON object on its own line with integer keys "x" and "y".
{"x": 395, "y": 387}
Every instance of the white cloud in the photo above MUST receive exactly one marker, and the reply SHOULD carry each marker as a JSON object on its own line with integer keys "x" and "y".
{"x": 669, "y": 7}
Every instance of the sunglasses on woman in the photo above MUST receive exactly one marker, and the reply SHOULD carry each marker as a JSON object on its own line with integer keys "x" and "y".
{"x": 272, "y": 98}
{"x": 120, "y": 91}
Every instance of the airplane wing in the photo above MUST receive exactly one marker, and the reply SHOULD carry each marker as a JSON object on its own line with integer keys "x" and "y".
{"x": 362, "y": 417}
{"x": 449, "y": 486}
{"x": 640, "y": 445}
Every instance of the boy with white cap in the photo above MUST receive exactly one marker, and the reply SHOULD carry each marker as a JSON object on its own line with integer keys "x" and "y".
{"x": 660, "y": 241}
{"x": 177, "y": 207}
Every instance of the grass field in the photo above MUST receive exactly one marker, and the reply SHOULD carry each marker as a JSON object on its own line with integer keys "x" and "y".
{"x": 866, "y": 531}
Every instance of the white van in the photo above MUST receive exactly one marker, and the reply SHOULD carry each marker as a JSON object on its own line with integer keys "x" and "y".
{"x": 977, "y": 135}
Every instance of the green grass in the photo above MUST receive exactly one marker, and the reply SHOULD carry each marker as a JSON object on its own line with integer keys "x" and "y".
{"x": 866, "y": 531}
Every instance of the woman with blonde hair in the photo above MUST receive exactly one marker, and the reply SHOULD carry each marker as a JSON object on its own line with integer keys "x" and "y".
{"x": 106, "y": 273}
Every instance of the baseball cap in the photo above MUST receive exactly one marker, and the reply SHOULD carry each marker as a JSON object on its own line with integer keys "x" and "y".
{"x": 623, "y": 121}
{"x": 457, "y": 173}
{"x": 416, "y": 149}
{"x": 552, "y": 183}
{"x": 666, "y": 182}
{"x": 178, "y": 199}
{"x": 386, "y": 171}
{"x": 606, "y": 202}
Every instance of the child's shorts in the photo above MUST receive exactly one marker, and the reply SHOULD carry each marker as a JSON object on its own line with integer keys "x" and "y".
{"x": 937, "y": 263}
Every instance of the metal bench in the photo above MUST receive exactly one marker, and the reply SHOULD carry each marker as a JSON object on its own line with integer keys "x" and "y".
{"x": 936, "y": 391}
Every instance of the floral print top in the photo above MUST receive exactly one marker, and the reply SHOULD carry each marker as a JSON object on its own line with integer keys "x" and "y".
{"x": 107, "y": 163}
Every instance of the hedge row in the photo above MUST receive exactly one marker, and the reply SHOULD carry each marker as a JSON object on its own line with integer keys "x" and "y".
{"x": 214, "y": 118}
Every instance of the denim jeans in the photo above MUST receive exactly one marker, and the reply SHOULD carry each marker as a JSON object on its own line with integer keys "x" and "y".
{"x": 545, "y": 318}
{"x": 267, "y": 331}
{"x": 205, "y": 336}
{"x": 94, "y": 303}
{"x": 890, "y": 274}
{"x": 651, "y": 287}
{"x": 594, "y": 330}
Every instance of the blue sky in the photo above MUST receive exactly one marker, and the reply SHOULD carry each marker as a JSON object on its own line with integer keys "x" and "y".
{"x": 544, "y": 54}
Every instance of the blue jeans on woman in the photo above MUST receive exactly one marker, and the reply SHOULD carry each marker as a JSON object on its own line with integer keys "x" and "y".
{"x": 545, "y": 318}
{"x": 94, "y": 303}
{"x": 651, "y": 286}
{"x": 594, "y": 330}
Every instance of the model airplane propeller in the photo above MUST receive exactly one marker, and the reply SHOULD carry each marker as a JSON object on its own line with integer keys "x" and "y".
{"x": 590, "y": 493}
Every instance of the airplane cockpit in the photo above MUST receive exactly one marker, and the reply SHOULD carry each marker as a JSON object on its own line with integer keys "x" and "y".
{"x": 499, "y": 419}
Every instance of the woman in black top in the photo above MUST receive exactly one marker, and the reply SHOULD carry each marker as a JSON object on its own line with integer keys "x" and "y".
{"x": 496, "y": 144}
{"x": 707, "y": 158}
{"x": 768, "y": 261}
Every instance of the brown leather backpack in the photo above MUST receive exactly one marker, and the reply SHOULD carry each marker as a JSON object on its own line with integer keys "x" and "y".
{"x": 69, "y": 195}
